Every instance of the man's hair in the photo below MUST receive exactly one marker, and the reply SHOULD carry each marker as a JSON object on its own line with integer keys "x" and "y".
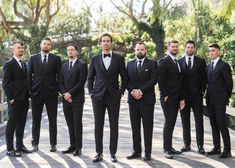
{"x": 72, "y": 44}
{"x": 141, "y": 43}
{"x": 190, "y": 42}
{"x": 17, "y": 42}
{"x": 46, "y": 38}
{"x": 172, "y": 41}
{"x": 106, "y": 34}
{"x": 215, "y": 45}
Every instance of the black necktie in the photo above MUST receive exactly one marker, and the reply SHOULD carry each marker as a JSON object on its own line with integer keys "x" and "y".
{"x": 44, "y": 60}
{"x": 212, "y": 65}
{"x": 106, "y": 55}
{"x": 70, "y": 66}
{"x": 139, "y": 66}
{"x": 22, "y": 65}
{"x": 189, "y": 63}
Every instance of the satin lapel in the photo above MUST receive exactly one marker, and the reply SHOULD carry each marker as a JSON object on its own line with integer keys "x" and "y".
{"x": 101, "y": 62}
{"x": 111, "y": 63}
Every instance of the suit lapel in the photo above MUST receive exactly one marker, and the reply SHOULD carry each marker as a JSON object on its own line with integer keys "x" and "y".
{"x": 39, "y": 60}
{"x": 73, "y": 68}
{"x": 18, "y": 66}
{"x": 111, "y": 63}
{"x": 101, "y": 63}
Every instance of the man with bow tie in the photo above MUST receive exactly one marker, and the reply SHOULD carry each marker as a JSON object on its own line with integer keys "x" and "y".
{"x": 73, "y": 76}
{"x": 142, "y": 73}
{"x": 105, "y": 92}
{"x": 14, "y": 83}
{"x": 219, "y": 90}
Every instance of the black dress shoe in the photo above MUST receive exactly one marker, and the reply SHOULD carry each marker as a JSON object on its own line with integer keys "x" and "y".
{"x": 186, "y": 148}
{"x": 23, "y": 149}
{"x": 35, "y": 148}
{"x": 201, "y": 150}
{"x": 214, "y": 151}
{"x": 147, "y": 157}
{"x": 71, "y": 149}
{"x": 114, "y": 158}
{"x": 13, "y": 153}
{"x": 98, "y": 158}
{"x": 173, "y": 151}
{"x": 225, "y": 154}
{"x": 134, "y": 155}
{"x": 77, "y": 152}
{"x": 168, "y": 154}
{"x": 53, "y": 148}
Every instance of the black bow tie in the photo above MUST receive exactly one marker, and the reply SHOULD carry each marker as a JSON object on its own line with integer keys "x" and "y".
{"x": 106, "y": 55}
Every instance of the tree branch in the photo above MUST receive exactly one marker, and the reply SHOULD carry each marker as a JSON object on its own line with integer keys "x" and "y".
{"x": 26, "y": 20}
{"x": 5, "y": 24}
{"x": 143, "y": 7}
{"x": 48, "y": 15}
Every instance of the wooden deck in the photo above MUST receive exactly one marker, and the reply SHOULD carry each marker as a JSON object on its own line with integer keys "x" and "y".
{"x": 46, "y": 159}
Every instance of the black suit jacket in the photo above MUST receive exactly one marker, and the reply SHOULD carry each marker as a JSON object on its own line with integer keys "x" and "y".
{"x": 144, "y": 80}
{"x": 14, "y": 81}
{"x": 170, "y": 80}
{"x": 194, "y": 78}
{"x": 220, "y": 83}
{"x": 106, "y": 81}
{"x": 44, "y": 78}
{"x": 73, "y": 82}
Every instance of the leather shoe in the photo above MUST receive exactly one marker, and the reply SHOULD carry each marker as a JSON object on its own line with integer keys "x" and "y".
{"x": 69, "y": 150}
{"x": 214, "y": 151}
{"x": 77, "y": 152}
{"x": 201, "y": 150}
{"x": 225, "y": 154}
{"x": 113, "y": 158}
{"x": 168, "y": 154}
{"x": 134, "y": 155}
{"x": 147, "y": 157}
{"x": 24, "y": 150}
{"x": 186, "y": 148}
{"x": 35, "y": 148}
{"x": 53, "y": 148}
{"x": 13, "y": 153}
{"x": 173, "y": 151}
{"x": 98, "y": 158}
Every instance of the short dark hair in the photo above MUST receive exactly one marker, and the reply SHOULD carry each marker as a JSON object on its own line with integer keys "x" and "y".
{"x": 141, "y": 43}
{"x": 106, "y": 34}
{"x": 17, "y": 42}
{"x": 72, "y": 44}
{"x": 215, "y": 45}
{"x": 46, "y": 38}
{"x": 172, "y": 41}
{"x": 190, "y": 42}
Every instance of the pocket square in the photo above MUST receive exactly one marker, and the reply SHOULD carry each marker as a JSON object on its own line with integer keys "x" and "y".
{"x": 146, "y": 70}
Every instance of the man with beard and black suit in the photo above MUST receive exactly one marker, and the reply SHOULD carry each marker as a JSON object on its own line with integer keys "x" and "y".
{"x": 43, "y": 77}
{"x": 219, "y": 90}
{"x": 105, "y": 93}
{"x": 73, "y": 76}
{"x": 194, "y": 70}
{"x": 170, "y": 84}
{"x": 14, "y": 83}
{"x": 142, "y": 73}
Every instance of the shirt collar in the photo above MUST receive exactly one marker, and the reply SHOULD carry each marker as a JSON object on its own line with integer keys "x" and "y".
{"x": 42, "y": 55}
{"x": 172, "y": 57}
{"x": 73, "y": 60}
{"x": 142, "y": 60}
{"x": 215, "y": 60}
{"x": 107, "y": 53}
{"x": 17, "y": 59}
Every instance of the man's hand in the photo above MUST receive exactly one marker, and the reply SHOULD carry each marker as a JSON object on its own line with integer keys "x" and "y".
{"x": 182, "y": 104}
{"x": 12, "y": 101}
{"x": 67, "y": 96}
{"x": 165, "y": 98}
{"x": 136, "y": 94}
{"x": 70, "y": 100}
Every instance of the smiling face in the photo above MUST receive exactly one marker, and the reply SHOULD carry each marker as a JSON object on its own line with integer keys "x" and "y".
{"x": 106, "y": 44}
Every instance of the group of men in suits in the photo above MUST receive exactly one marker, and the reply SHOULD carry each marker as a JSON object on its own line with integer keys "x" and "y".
{"x": 182, "y": 84}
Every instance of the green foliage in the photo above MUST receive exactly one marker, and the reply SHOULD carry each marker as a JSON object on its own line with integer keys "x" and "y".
{"x": 232, "y": 100}
{"x": 31, "y": 36}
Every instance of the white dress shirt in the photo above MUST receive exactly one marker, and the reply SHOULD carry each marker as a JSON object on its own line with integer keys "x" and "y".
{"x": 215, "y": 62}
{"x": 107, "y": 60}
{"x": 18, "y": 60}
{"x": 187, "y": 58}
{"x": 42, "y": 56}
{"x": 73, "y": 61}
{"x": 174, "y": 58}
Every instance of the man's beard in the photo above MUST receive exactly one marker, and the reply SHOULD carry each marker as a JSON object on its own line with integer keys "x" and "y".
{"x": 45, "y": 51}
{"x": 20, "y": 55}
{"x": 141, "y": 56}
{"x": 174, "y": 53}
{"x": 71, "y": 56}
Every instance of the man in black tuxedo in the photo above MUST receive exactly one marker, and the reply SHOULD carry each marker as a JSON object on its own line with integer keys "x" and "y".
{"x": 171, "y": 94}
{"x": 105, "y": 93}
{"x": 219, "y": 90}
{"x": 73, "y": 76}
{"x": 43, "y": 75}
{"x": 142, "y": 73}
{"x": 194, "y": 70}
{"x": 14, "y": 83}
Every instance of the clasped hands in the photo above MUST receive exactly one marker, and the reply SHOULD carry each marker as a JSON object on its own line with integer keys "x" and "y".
{"x": 68, "y": 97}
{"x": 136, "y": 93}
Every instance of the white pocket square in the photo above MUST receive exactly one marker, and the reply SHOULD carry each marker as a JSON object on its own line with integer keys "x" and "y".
{"x": 146, "y": 70}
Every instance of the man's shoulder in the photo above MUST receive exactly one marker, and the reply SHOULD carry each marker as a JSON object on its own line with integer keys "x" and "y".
{"x": 163, "y": 59}
{"x": 8, "y": 62}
